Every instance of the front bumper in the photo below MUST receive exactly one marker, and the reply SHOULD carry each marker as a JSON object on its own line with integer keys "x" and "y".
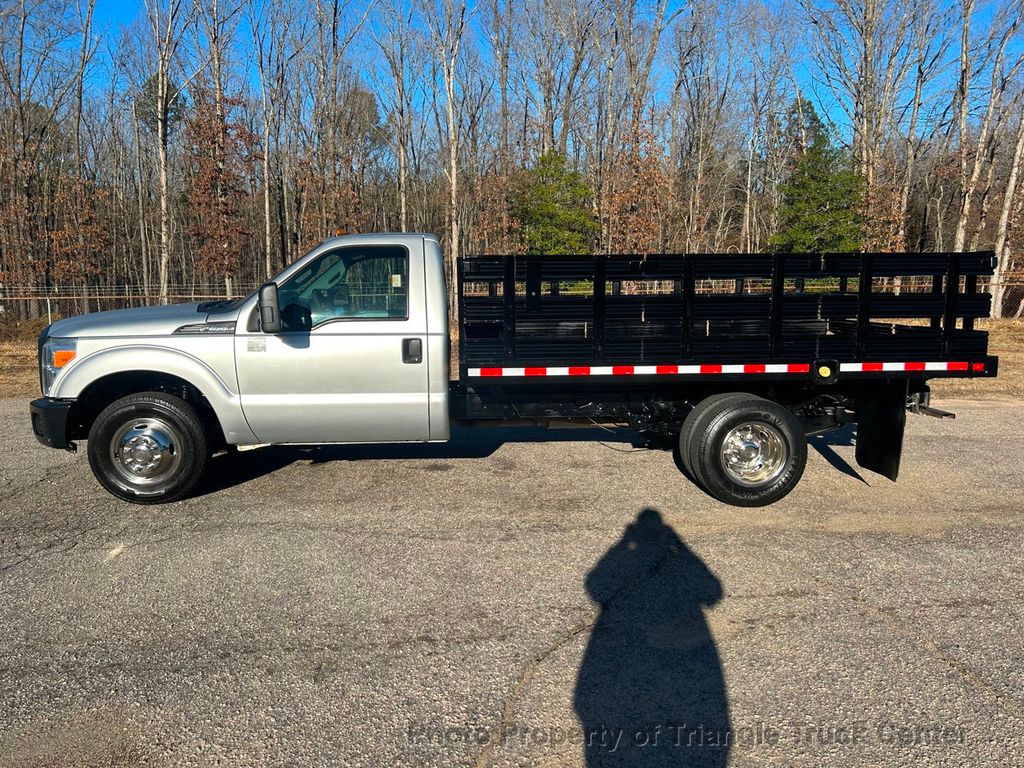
{"x": 50, "y": 422}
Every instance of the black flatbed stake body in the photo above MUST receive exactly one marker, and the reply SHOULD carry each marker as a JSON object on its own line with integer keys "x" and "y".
{"x": 642, "y": 338}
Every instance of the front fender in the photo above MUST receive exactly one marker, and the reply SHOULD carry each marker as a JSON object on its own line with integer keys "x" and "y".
{"x": 93, "y": 366}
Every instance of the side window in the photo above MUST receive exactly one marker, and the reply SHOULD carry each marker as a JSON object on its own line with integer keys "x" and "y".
{"x": 368, "y": 282}
{"x": 377, "y": 285}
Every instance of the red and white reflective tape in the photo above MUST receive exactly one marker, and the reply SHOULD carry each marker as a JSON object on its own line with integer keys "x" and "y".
{"x": 913, "y": 366}
{"x": 716, "y": 369}
{"x": 643, "y": 370}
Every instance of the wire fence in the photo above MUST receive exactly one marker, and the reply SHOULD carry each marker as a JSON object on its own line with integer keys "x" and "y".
{"x": 118, "y": 290}
{"x": 24, "y": 302}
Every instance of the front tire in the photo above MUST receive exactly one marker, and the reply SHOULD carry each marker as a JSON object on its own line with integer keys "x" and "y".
{"x": 148, "y": 448}
{"x": 750, "y": 452}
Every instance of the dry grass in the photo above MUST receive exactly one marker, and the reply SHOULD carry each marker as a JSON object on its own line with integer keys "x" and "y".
{"x": 19, "y": 377}
{"x": 1005, "y": 339}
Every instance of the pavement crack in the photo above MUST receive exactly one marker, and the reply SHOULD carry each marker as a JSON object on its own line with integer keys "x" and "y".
{"x": 8, "y": 566}
{"x": 533, "y": 665}
{"x": 928, "y": 646}
{"x": 524, "y": 680}
{"x": 47, "y": 475}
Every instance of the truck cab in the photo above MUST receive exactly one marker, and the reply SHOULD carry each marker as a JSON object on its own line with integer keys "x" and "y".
{"x": 359, "y": 353}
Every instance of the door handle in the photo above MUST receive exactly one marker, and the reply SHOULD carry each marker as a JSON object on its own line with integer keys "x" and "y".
{"x": 412, "y": 351}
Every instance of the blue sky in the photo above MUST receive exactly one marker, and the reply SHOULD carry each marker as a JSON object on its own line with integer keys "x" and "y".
{"x": 111, "y": 13}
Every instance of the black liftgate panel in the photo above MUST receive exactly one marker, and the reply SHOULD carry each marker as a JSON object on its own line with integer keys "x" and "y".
{"x": 668, "y": 309}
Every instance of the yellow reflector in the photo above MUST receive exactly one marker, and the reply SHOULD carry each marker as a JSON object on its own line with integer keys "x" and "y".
{"x": 62, "y": 357}
{"x": 824, "y": 371}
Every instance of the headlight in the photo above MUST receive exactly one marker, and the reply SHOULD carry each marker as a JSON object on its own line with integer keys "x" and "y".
{"x": 54, "y": 355}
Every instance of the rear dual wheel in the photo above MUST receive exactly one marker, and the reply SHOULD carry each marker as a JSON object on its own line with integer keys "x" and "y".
{"x": 743, "y": 450}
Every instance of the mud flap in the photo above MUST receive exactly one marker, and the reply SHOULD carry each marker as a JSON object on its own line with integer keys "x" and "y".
{"x": 881, "y": 417}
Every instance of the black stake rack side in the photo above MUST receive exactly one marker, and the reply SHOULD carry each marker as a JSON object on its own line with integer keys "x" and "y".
{"x": 667, "y": 309}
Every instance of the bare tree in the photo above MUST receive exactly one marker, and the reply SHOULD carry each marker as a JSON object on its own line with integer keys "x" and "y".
{"x": 990, "y": 54}
{"x": 929, "y": 44}
{"x": 218, "y": 19}
{"x": 640, "y": 29}
{"x": 394, "y": 37}
{"x": 167, "y": 24}
{"x": 704, "y": 70}
{"x": 1009, "y": 198}
{"x": 447, "y": 23}
{"x": 766, "y": 61}
{"x": 500, "y": 30}
{"x": 860, "y": 48}
{"x": 278, "y": 38}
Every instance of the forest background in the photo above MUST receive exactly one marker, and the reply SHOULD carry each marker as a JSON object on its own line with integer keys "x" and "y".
{"x": 186, "y": 148}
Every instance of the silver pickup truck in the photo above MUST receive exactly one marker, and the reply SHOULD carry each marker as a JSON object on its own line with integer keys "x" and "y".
{"x": 350, "y": 344}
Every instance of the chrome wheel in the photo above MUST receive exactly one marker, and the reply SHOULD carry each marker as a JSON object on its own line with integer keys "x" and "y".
{"x": 754, "y": 453}
{"x": 146, "y": 451}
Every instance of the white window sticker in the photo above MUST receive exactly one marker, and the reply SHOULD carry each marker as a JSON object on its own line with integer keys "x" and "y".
{"x": 396, "y": 281}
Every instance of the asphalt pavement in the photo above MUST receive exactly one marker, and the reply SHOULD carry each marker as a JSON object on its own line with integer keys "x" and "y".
{"x": 518, "y": 598}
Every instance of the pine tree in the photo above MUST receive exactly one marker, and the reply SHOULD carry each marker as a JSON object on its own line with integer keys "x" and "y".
{"x": 820, "y": 209}
{"x": 552, "y": 204}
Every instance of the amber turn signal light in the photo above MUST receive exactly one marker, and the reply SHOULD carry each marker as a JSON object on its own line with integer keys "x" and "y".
{"x": 62, "y": 357}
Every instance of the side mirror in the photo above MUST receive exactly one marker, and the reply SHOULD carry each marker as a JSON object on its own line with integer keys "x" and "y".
{"x": 270, "y": 313}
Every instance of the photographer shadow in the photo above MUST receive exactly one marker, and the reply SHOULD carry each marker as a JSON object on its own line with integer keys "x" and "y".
{"x": 651, "y": 690}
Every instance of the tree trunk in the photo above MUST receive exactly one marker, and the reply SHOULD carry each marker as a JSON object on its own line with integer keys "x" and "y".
{"x": 143, "y": 229}
{"x": 268, "y": 266}
{"x": 963, "y": 86}
{"x": 165, "y": 209}
{"x": 1002, "y": 251}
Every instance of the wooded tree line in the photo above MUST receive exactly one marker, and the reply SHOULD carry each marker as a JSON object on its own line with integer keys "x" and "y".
{"x": 199, "y": 148}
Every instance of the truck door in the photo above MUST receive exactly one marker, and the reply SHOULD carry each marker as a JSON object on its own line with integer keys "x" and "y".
{"x": 345, "y": 367}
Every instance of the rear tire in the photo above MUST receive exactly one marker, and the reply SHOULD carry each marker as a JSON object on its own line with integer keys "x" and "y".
{"x": 148, "y": 448}
{"x": 697, "y": 420}
{"x": 747, "y": 451}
